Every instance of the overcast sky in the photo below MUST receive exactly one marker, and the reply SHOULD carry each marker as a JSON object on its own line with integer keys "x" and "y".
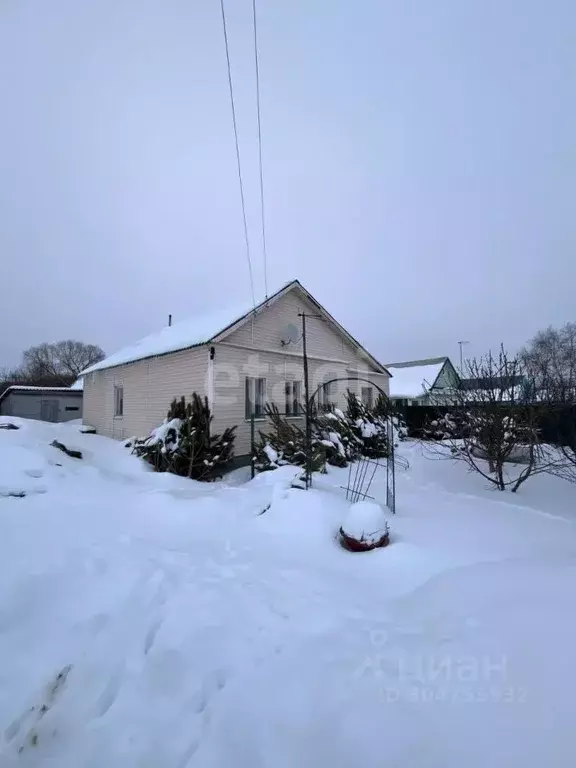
{"x": 419, "y": 160}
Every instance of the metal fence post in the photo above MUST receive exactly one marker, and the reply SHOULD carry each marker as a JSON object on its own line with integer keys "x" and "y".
{"x": 252, "y": 447}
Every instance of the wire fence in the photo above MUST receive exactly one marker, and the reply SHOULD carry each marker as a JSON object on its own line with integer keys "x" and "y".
{"x": 361, "y": 473}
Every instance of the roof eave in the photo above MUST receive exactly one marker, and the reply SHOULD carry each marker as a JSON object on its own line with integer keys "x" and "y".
{"x": 239, "y": 322}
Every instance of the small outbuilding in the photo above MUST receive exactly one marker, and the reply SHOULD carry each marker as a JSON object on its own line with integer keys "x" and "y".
{"x": 43, "y": 403}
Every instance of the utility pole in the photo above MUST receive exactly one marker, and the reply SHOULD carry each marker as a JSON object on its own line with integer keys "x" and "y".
{"x": 461, "y": 344}
{"x": 308, "y": 473}
{"x": 308, "y": 468}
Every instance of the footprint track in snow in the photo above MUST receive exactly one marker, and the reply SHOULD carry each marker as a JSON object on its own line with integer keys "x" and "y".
{"x": 150, "y": 638}
{"x": 210, "y": 687}
{"x": 110, "y": 693}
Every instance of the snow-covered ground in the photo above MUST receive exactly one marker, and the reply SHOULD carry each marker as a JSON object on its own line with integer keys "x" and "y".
{"x": 151, "y": 621}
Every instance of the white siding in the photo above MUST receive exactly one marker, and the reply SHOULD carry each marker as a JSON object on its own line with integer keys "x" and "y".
{"x": 149, "y": 387}
{"x": 265, "y": 330}
{"x": 232, "y": 364}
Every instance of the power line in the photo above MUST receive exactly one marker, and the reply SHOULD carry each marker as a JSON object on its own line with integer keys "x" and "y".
{"x": 246, "y": 238}
{"x": 260, "y": 147}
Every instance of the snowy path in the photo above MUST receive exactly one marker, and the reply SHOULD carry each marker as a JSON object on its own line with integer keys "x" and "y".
{"x": 148, "y": 620}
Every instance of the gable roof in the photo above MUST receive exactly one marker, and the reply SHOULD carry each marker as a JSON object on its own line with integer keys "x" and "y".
{"x": 415, "y": 363}
{"x": 26, "y": 388}
{"x": 210, "y": 327}
{"x": 414, "y": 378}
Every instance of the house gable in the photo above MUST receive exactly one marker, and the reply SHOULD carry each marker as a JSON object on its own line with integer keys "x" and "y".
{"x": 448, "y": 377}
{"x": 326, "y": 339}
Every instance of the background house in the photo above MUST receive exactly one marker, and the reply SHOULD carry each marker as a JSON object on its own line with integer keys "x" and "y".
{"x": 423, "y": 382}
{"x": 45, "y": 403}
{"x": 241, "y": 359}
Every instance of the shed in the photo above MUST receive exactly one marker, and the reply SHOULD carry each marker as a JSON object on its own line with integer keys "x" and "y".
{"x": 43, "y": 403}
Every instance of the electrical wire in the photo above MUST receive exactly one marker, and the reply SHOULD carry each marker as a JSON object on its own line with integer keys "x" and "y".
{"x": 262, "y": 210}
{"x": 246, "y": 238}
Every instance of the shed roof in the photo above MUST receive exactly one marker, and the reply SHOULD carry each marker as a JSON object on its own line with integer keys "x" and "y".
{"x": 31, "y": 389}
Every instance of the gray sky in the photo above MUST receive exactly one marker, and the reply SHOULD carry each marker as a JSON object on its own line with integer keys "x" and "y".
{"x": 419, "y": 158}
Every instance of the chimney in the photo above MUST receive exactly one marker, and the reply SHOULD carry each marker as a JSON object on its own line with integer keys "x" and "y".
{"x": 169, "y": 320}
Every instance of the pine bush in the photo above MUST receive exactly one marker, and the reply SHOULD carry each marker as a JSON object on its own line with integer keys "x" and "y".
{"x": 184, "y": 444}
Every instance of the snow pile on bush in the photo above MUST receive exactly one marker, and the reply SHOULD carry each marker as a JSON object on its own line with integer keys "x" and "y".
{"x": 184, "y": 445}
{"x": 337, "y": 437}
{"x": 286, "y": 444}
{"x": 365, "y": 527}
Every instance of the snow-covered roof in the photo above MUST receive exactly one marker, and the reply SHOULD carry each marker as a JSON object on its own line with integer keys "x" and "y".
{"x": 78, "y": 384}
{"x": 187, "y": 333}
{"x": 201, "y": 329}
{"x": 413, "y": 380}
{"x": 26, "y": 388}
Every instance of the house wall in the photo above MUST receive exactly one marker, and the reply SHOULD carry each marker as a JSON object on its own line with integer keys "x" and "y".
{"x": 28, "y": 405}
{"x": 149, "y": 388}
{"x": 233, "y": 364}
{"x": 256, "y": 350}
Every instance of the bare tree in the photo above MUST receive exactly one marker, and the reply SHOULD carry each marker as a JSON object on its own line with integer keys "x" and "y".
{"x": 551, "y": 359}
{"x": 493, "y": 427}
{"x": 62, "y": 361}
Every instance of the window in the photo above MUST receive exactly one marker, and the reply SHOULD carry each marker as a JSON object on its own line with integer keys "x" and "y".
{"x": 367, "y": 397}
{"x": 293, "y": 391}
{"x": 71, "y": 408}
{"x": 118, "y": 401}
{"x": 255, "y": 397}
{"x": 326, "y": 396}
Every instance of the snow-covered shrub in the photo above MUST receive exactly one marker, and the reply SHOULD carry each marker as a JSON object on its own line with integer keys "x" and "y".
{"x": 184, "y": 445}
{"x": 370, "y": 426}
{"x": 444, "y": 427}
{"x": 337, "y": 437}
{"x": 337, "y": 434}
{"x": 285, "y": 443}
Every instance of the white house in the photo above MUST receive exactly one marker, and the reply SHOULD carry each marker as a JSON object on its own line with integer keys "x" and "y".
{"x": 240, "y": 358}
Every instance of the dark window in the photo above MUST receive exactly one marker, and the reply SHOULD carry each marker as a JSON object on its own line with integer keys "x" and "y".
{"x": 255, "y": 403}
{"x": 118, "y": 401}
{"x": 326, "y": 396}
{"x": 72, "y": 408}
{"x": 293, "y": 390}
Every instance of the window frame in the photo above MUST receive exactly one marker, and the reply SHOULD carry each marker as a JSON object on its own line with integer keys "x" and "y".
{"x": 325, "y": 395}
{"x": 255, "y": 388}
{"x": 118, "y": 401}
{"x": 293, "y": 398}
{"x": 369, "y": 401}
